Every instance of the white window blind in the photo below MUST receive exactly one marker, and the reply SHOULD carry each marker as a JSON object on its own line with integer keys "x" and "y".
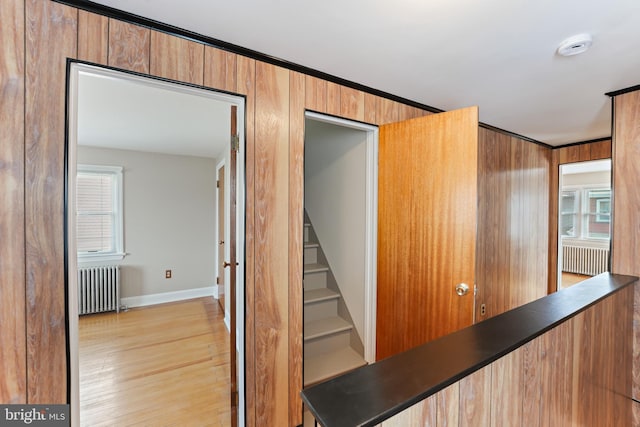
{"x": 99, "y": 211}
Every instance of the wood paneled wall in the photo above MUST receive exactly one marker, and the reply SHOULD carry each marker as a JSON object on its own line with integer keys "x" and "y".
{"x": 33, "y": 341}
{"x": 513, "y": 182}
{"x": 51, "y": 34}
{"x": 33, "y": 348}
{"x": 574, "y": 374}
{"x": 13, "y": 347}
{"x": 626, "y": 204}
{"x": 559, "y": 156}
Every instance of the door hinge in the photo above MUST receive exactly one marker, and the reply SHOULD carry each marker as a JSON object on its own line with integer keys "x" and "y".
{"x": 217, "y": 184}
{"x": 234, "y": 398}
{"x": 217, "y": 280}
{"x": 235, "y": 143}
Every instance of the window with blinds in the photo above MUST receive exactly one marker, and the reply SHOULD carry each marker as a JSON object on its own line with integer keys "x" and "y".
{"x": 99, "y": 212}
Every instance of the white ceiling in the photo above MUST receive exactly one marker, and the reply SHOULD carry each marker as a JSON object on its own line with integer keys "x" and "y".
{"x": 497, "y": 54}
{"x": 121, "y": 111}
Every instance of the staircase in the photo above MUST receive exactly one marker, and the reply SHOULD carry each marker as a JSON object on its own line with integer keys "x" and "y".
{"x": 328, "y": 336}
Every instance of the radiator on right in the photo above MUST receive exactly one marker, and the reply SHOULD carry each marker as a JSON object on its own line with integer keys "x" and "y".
{"x": 584, "y": 260}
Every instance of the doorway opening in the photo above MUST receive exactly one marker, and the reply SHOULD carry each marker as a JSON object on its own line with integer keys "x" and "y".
{"x": 167, "y": 139}
{"x": 340, "y": 245}
{"x": 584, "y": 221}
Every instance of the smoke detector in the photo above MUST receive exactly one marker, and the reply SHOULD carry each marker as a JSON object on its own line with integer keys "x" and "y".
{"x": 575, "y": 45}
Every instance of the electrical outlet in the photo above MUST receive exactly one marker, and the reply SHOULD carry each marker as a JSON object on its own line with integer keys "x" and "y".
{"x": 167, "y": 274}
{"x": 483, "y": 310}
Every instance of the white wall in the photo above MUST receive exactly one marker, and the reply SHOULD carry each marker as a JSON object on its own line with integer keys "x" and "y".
{"x": 169, "y": 219}
{"x": 335, "y": 179}
{"x": 600, "y": 178}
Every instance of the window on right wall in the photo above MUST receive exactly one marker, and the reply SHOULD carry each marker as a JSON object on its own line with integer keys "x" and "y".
{"x": 585, "y": 212}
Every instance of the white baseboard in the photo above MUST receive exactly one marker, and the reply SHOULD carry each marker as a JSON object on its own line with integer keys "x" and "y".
{"x": 144, "y": 300}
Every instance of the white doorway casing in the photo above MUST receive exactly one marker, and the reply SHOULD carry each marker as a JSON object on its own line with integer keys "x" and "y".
{"x": 370, "y": 184}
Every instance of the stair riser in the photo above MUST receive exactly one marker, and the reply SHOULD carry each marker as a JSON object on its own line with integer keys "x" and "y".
{"x": 320, "y": 310}
{"x": 315, "y": 280}
{"x": 311, "y": 255}
{"x": 327, "y": 344}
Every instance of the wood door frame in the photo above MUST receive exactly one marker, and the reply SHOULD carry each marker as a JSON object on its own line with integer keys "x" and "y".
{"x": 73, "y": 69}
{"x": 371, "y": 224}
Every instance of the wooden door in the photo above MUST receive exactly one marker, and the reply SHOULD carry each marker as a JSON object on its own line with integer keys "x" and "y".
{"x": 221, "y": 228}
{"x": 232, "y": 264}
{"x": 427, "y": 210}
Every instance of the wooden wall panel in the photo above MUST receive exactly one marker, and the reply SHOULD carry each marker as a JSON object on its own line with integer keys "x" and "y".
{"x": 176, "y": 58}
{"x": 370, "y": 107}
{"x": 51, "y": 31}
{"x": 475, "y": 399}
{"x": 556, "y": 371}
{"x": 409, "y": 112}
{"x": 316, "y": 94}
{"x": 352, "y": 104}
{"x": 603, "y": 356}
{"x": 507, "y": 390}
{"x": 575, "y": 153}
{"x": 532, "y": 392}
{"x": 246, "y": 78}
{"x": 13, "y": 350}
{"x": 575, "y": 374}
{"x": 620, "y": 363}
{"x": 635, "y": 374}
{"x": 271, "y": 237}
{"x": 333, "y": 99}
{"x": 448, "y": 406}
{"x": 50, "y": 38}
{"x": 513, "y": 199}
{"x": 626, "y": 204}
{"x": 387, "y": 111}
{"x": 220, "y": 69}
{"x": 129, "y": 46}
{"x": 422, "y": 414}
{"x": 296, "y": 221}
{"x": 93, "y": 37}
{"x": 600, "y": 150}
{"x": 626, "y": 183}
{"x": 553, "y": 222}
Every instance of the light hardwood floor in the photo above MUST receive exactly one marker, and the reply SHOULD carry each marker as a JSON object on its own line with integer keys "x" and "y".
{"x": 570, "y": 279}
{"x": 159, "y": 366}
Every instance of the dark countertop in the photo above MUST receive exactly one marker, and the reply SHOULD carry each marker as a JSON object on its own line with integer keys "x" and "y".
{"x": 374, "y": 393}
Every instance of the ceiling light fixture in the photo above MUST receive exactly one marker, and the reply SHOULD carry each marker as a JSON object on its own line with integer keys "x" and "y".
{"x": 575, "y": 45}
